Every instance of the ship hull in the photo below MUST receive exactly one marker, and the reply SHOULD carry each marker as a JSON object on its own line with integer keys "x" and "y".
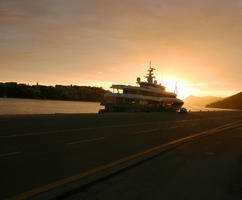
{"x": 140, "y": 103}
{"x": 124, "y": 107}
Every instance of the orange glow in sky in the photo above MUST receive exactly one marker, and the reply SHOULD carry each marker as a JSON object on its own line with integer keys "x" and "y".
{"x": 194, "y": 42}
{"x": 182, "y": 89}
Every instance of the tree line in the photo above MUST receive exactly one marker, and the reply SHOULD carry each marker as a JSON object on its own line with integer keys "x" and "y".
{"x": 58, "y": 92}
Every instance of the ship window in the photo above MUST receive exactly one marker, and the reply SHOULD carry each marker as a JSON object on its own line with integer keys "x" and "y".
{"x": 118, "y": 91}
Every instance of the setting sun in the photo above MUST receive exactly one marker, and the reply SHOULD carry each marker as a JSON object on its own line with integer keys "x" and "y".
{"x": 182, "y": 89}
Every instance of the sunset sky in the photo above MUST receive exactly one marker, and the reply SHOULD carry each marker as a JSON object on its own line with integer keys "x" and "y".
{"x": 197, "y": 43}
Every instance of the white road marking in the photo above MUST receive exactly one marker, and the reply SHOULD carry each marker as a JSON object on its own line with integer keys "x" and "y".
{"x": 174, "y": 127}
{"x": 40, "y": 133}
{"x": 63, "y": 131}
{"x": 9, "y": 154}
{"x": 91, "y": 128}
{"x": 145, "y": 131}
{"x": 152, "y": 130}
{"x": 86, "y": 140}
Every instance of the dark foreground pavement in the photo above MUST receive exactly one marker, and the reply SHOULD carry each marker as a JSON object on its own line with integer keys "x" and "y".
{"x": 37, "y": 150}
{"x": 210, "y": 168}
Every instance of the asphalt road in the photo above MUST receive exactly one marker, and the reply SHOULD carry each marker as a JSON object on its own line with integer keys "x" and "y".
{"x": 208, "y": 168}
{"x": 38, "y": 149}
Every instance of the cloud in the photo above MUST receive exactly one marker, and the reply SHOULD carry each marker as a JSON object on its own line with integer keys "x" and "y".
{"x": 4, "y": 12}
{"x": 195, "y": 40}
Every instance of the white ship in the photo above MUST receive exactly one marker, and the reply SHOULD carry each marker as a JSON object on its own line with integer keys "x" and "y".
{"x": 149, "y": 96}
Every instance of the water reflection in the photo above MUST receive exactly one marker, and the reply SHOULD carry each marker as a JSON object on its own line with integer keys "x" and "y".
{"x": 33, "y": 106}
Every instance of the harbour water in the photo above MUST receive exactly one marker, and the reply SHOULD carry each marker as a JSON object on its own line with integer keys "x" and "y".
{"x": 10, "y": 106}
{"x": 204, "y": 109}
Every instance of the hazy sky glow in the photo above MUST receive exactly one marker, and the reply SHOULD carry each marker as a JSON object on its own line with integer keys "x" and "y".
{"x": 100, "y": 42}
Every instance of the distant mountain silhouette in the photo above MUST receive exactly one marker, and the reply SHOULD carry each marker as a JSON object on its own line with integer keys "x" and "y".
{"x": 232, "y": 102}
{"x": 200, "y": 101}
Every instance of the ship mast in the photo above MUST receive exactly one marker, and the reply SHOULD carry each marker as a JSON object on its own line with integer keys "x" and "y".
{"x": 150, "y": 76}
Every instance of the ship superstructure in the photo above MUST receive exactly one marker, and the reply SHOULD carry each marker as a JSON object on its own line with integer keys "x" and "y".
{"x": 148, "y": 96}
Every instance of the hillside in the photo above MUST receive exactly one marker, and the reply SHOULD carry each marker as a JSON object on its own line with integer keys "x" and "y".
{"x": 200, "y": 101}
{"x": 59, "y": 92}
{"x": 233, "y": 102}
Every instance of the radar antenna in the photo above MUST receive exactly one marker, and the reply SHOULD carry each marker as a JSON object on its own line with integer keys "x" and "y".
{"x": 150, "y": 76}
